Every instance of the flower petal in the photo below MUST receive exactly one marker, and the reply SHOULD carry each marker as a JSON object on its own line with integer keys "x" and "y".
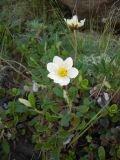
{"x": 52, "y": 76}
{"x": 57, "y": 60}
{"x": 73, "y": 72}
{"x": 75, "y": 20}
{"x": 69, "y": 22}
{"x": 52, "y": 67}
{"x": 62, "y": 81}
{"x": 65, "y": 19}
{"x": 81, "y": 23}
{"x": 68, "y": 63}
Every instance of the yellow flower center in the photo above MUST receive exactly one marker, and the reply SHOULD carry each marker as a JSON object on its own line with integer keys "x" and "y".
{"x": 62, "y": 72}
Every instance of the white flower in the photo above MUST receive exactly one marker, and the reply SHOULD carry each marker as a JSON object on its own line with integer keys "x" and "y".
{"x": 73, "y": 23}
{"x": 61, "y": 71}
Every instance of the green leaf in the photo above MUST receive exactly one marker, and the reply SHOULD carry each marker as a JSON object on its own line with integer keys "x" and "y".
{"x": 118, "y": 152}
{"x": 89, "y": 139}
{"x": 31, "y": 99}
{"x": 65, "y": 119}
{"x": 86, "y": 102}
{"x": 84, "y": 83}
{"x": 20, "y": 108}
{"x": 58, "y": 92}
{"x": 48, "y": 117}
{"x": 72, "y": 92}
{"x": 15, "y": 92}
{"x": 101, "y": 153}
{"x": 5, "y": 146}
{"x": 25, "y": 102}
{"x": 46, "y": 103}
{"x": 107, "y": 84}
{"x": 80, "y": 78}
{"x": 81, "y": 125}
{"x": 16, "y": 119}
{"x": 41, "y": 129}
{"x": 82, "y": 109}
{"x": 113, "y": 109}
{"x": 64, "y": 53}
{"x": 2, "y": 92}
{"x": 48, "y": 145}
{"x": 54, "y": 109}
{"x": 33, "y": 62}
{"x": 55, "y": 154}
{"x": 62, "y": 134}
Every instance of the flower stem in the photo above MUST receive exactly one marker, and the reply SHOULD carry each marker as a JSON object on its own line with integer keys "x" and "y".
{"x": 67, "y": 99}
{"x": 76, "y": 44}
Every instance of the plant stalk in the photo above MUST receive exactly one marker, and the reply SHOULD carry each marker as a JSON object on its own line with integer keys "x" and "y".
{"x": 75, "y": 44}
{"x": 67, "y": 99}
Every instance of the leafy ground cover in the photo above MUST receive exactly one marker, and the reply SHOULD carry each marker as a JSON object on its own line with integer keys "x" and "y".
{"x": 76, "y": 122}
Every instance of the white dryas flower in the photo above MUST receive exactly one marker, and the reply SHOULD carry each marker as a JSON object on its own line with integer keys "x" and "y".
{"x": 61, "y": 70}
{"x": 73, "y": 23}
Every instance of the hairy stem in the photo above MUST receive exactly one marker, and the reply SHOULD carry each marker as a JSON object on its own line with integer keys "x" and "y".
{"x": 67, "y": 99}
{"x": 76, "y": 44}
